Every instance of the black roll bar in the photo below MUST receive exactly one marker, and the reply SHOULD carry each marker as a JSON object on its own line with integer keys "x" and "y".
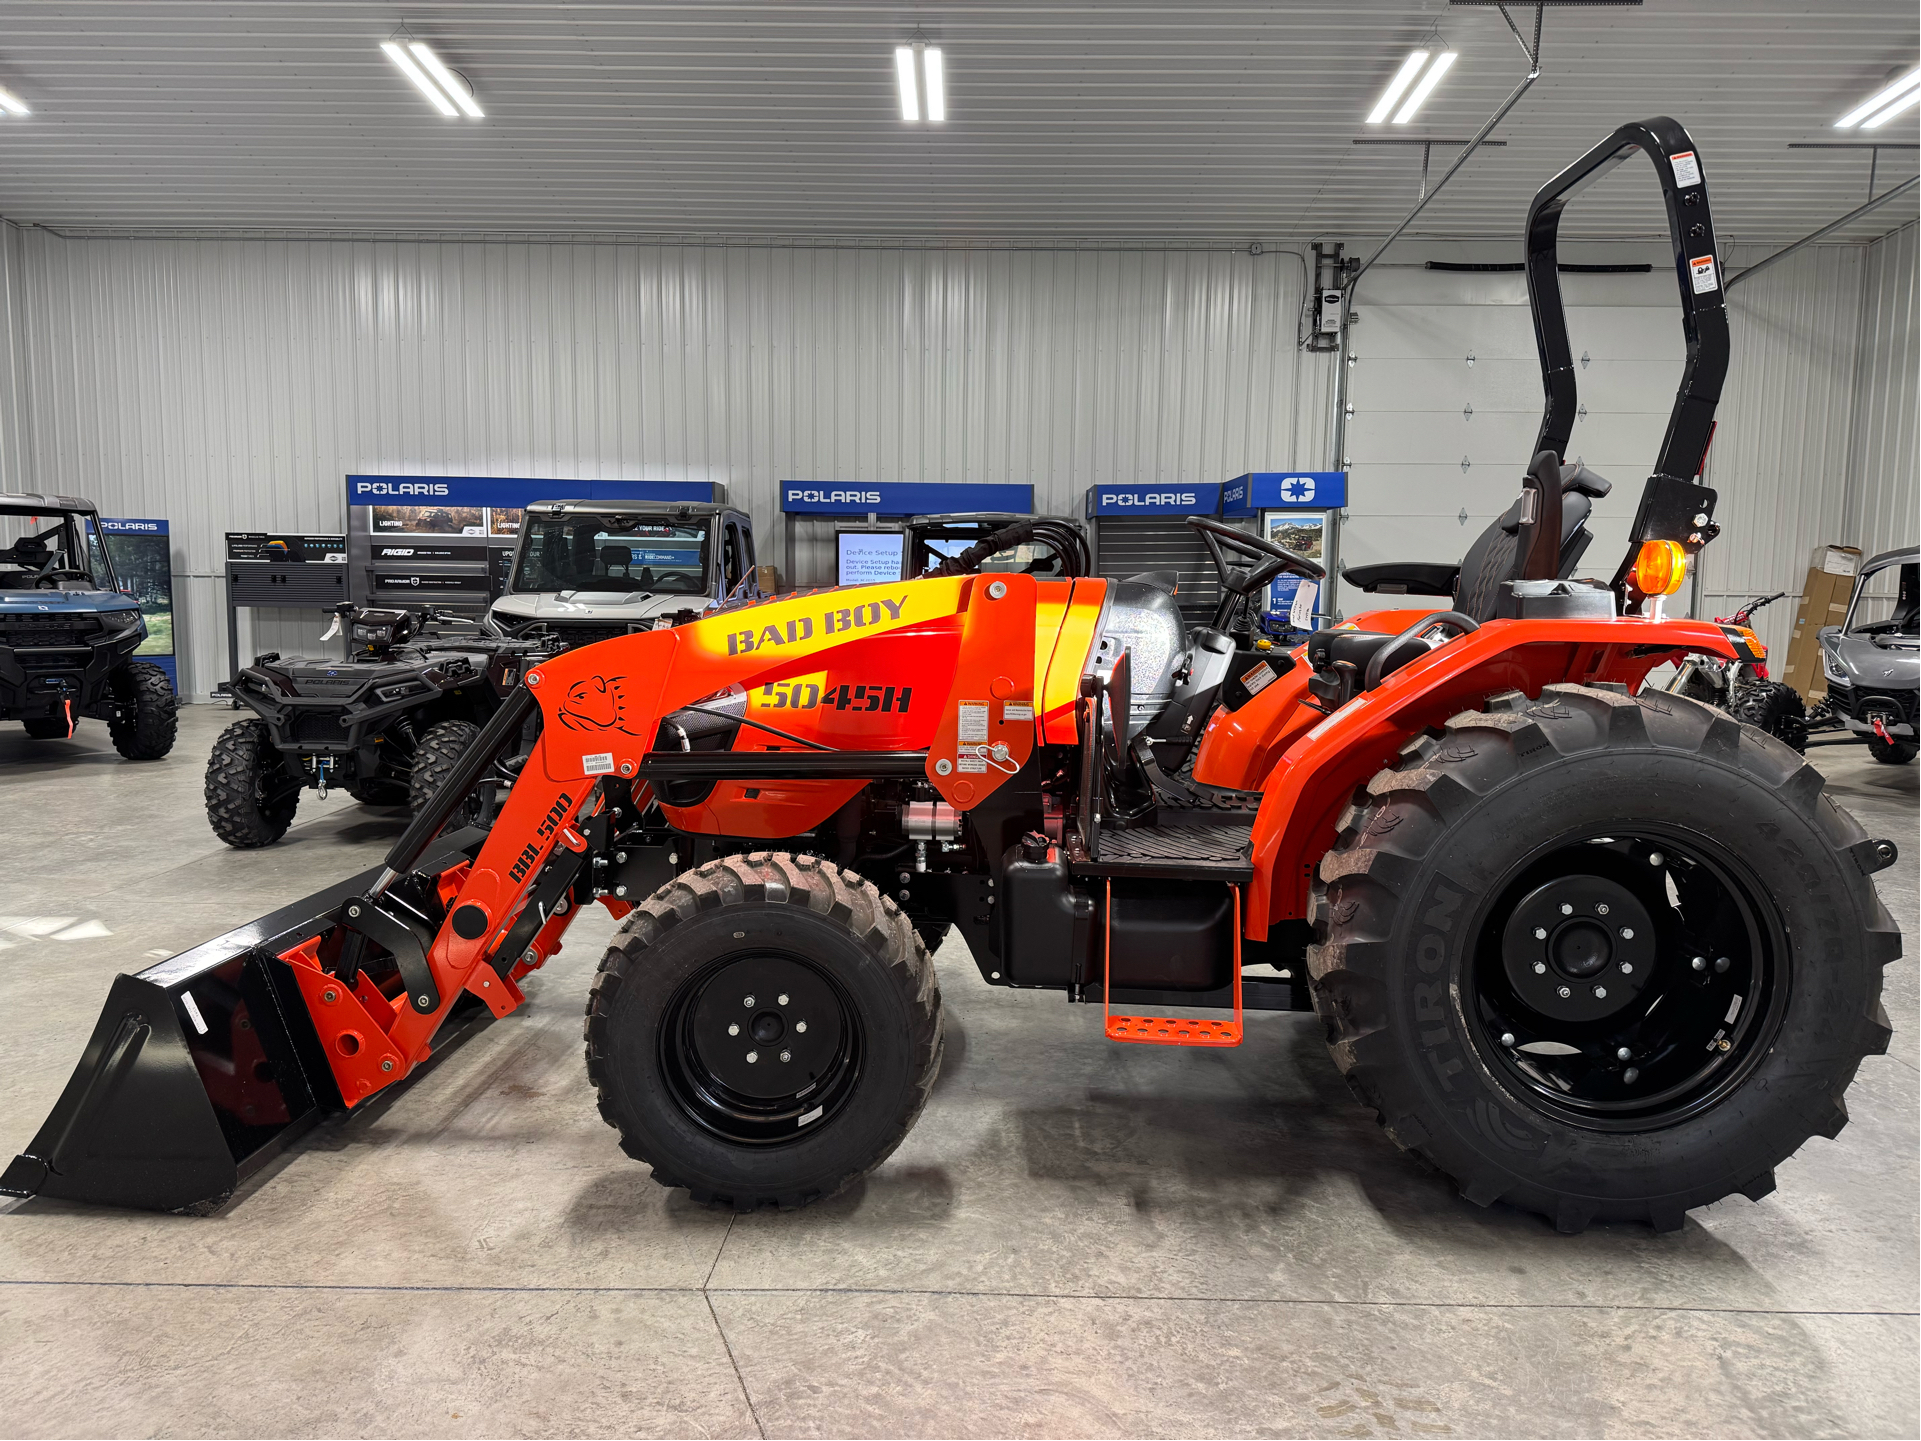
{"x": 1672, "y": 506}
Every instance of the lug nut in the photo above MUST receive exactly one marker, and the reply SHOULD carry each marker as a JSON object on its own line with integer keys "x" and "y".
{"x": 1627, "y": 933}
{"x": 1700, "y": 963}
{"x": 1507, "y": 1038}
{"x": 1631, "y": 1075}
{"x": 1721, "y": 964}
{"x": 781, "y": 1000}
{"x": 1540, "y": 933}
{"x": 733, "y": 1028}
{"x": 1622, "y": 1054}
{"x": 752, "y": 1056}
{"x": 1655, "y": 858}
{"x": 787, "y": 1055}
{"x": 1600, "y": 993}
{"x": 1627, "y": 968}
{"x": 1540, "y": 968}
{"x": 800, "y": 1026}
{"x": 747, "y": 1001}
{"x": 1566, "y": 909}
{"x": 1564, "y": 993}
{"x": 1602, "y": 909}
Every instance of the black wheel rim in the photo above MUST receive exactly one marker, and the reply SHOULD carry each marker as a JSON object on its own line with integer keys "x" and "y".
{"x": 760, "y": 1048}
{"x": 1626, "y": 982}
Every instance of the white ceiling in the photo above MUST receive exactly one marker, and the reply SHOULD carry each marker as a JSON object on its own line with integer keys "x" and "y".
{"x": 1187, "y": 122}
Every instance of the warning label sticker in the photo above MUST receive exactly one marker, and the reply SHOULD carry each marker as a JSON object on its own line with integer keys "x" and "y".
{"x": 1259, "y": 678}
{"x": 1704, "y": 278}
{"x": 973, "y": 721}
{"x": 1012, "y": 713}
{"x": 598, "y": 765}
{"x": 1687, "y": 170}
{"x": 971, "y": 765}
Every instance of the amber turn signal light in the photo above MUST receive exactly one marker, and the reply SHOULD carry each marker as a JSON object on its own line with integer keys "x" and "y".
{"x": 1660, "y": 568}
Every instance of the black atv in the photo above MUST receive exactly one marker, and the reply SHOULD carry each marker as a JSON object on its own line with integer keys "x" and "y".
{"x": 387, "y": 724}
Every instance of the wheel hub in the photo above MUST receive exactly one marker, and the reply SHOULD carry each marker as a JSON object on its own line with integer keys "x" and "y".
{"x": 767, "y": 1027}
{"x": 1579, "y": 948}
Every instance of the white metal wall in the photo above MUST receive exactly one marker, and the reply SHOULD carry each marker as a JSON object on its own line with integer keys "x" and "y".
{"x": 1883, "y": 510}
{"x": 231, "y": 384}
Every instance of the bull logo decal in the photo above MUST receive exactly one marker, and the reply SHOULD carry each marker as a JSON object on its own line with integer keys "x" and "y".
{"x": 600, "y": 703}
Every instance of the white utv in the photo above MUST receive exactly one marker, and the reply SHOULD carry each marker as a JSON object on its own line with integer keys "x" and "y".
{"x": 588, "y": 570}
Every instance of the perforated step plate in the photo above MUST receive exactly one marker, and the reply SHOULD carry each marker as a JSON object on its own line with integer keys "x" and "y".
{"x": 1191, "y": 852}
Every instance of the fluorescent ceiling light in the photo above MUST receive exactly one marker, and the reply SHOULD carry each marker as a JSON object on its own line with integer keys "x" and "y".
{"x": 1893, "y": 110}
{"x": 904, "y": 74}
{"x": 1428, "y": 81}
{"x": 937, "y": 84}
{"x": 1402, "y": 79}
{"x": 1902, "y": 87}
{"x": 449, "y": 82}
{"x": 10, "y": 104}
{"x": 414, "y": 73}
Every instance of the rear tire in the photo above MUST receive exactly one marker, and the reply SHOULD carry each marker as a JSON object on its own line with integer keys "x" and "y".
{"x": 1891, "y": 753}
{"x": 143, "y": 723}
{"x": 1778, "y": 709}
{"x": 251, "y": 795}
{"x": 833, "y": 982}
{"x": 1425, "y": 911}
{"x": 439, "y": 751}
{"x": 46, "y": 727}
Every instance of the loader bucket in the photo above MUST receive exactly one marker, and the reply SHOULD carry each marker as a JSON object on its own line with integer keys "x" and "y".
{"x": 200, "y": 1070}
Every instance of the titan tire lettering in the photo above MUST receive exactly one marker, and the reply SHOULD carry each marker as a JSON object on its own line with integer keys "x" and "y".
{"x": 1446, "y": 903}
{"x": 1430, "y": 953}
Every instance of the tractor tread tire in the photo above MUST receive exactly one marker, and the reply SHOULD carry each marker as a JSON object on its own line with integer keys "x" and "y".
{"x": 439, "y": 751}
{"x": 765, "y": 879}
{"x": 234, "y": 809}
{"x": 148, "y": 733}
{"x": 1421, "y": 814}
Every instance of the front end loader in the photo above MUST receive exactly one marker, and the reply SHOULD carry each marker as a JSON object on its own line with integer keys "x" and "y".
{"x": 1592, "y": 949}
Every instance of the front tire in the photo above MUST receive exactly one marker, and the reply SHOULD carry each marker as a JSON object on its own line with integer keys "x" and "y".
{"x": 1626, "y": 1064}
{"x": 439, "y": 751}
{"x": 251, "y": 795}
{"x": 143, "y": 722}
{"x": 1891, "y": 753}
{"x": 1778, "y": 709}
{"x": 764, "y": 1031}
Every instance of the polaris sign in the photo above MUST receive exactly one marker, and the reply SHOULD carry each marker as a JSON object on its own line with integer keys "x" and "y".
{"x": 1284, "y": 490}
{"x": 506, "y": 493}
{"x": 902, "y": 497}
{"x": 1153, "y": 499}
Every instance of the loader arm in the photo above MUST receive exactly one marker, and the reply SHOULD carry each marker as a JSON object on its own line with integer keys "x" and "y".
{"x": 601, "y": 709}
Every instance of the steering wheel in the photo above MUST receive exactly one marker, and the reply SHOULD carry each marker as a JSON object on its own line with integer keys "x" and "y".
{"x": 1269, "y": 559}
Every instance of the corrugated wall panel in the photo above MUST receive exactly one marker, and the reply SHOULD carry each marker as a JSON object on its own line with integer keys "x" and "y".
{"x": 1884, "y": 509}
{"x": 231, "y": 384}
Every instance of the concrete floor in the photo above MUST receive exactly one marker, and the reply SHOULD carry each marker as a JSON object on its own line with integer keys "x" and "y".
{"x": 1078, "y": 1238}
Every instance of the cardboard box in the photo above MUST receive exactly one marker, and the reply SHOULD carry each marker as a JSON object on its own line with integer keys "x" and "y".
{"x": 1824, "y": 602}
{"x": 769, "y": 579}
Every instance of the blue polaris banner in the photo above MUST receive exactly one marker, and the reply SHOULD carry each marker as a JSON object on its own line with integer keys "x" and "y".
{"x": 512, "y": 494}
{"x": 1284, "y": 490}
{"x": 1157, "y": 499}
{"x": 143, "y": 564}
{"x": 901, "y": 497}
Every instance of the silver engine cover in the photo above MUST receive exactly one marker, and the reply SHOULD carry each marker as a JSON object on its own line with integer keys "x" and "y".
{"x": 1143, "y": 621}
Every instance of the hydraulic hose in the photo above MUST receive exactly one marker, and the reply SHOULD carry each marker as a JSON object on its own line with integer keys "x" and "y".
{"x": 1067, "y": 541}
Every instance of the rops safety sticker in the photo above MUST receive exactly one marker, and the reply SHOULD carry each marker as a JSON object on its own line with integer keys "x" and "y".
{"x": 1704, "y": 277}
{"x": 1687, "y": 170}
{"x": 598, "y": 765}
{"x": 973, "y": 721}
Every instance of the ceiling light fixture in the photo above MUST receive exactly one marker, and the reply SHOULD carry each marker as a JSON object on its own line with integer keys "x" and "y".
{"x": 1403, "y": 77}
{"x": 1428, "y": 81}
{"x": 456, "y": 87}
{"x": 920, "y": 70}
{"x": 1891, "y": 99}
{"x": 10, "y": 104}
{"x": 450, "y": 96}
{"x": 1893, "y": 110}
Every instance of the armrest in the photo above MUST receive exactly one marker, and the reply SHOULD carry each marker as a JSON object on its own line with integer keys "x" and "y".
{"x": 1404, "y": 577}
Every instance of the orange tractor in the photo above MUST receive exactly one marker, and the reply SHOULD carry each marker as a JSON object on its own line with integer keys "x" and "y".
{"x": 1597, "y": 951}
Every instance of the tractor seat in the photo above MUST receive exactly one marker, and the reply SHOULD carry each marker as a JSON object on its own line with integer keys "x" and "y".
{"x": 1475, "y": 584}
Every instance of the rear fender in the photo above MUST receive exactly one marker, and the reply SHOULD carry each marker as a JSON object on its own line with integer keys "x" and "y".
{"x": 1313, "y": 780}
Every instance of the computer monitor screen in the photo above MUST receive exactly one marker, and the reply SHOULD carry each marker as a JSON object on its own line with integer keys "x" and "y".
{"x": 868, "y": 557}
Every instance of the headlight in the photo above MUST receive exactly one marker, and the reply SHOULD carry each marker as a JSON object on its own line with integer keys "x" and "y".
{"x": 119, "y": 627}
